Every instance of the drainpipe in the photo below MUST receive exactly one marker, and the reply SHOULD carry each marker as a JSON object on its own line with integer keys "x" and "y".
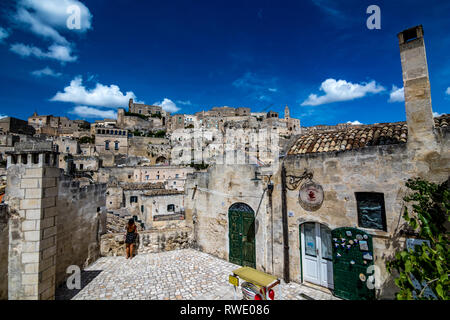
{"x": 270, "y": 190}
{"x": 285, "y": 225}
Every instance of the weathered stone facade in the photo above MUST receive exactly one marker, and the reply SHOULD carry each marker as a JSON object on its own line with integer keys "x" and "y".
{"x": 149, "y": 241}
{"x": 53, "y": 223}
{"x": 209, "y": 195}
{"x": 373, "y": 159}
{"x": 4, "y": 243}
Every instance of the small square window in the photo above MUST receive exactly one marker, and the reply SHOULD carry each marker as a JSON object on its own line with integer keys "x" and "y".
{"x": 133, "y": 199}
{"x": 371, "y": 210}
{"x": 171, "y": 208}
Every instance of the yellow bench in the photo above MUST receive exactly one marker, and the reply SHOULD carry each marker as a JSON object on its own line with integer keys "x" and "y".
{"x": 258, "y": 278}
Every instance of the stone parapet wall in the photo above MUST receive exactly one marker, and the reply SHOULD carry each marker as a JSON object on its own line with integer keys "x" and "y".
{"x": 4, "y": 243}
{"x": 80, "y": 223}
{"x": 150, "y": 241}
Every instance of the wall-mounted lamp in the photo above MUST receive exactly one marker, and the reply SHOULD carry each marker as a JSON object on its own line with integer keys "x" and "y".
{"x": 256, "y": 177}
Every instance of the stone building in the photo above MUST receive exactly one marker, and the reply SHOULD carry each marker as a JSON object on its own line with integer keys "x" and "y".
{"x": 163, "y": 208}
{"x": 103, "y": 124}
{"x": 331, "y": 213}
{"x": 174, "y": 177}
{"x": 111, "y": 141}
{"x": 51, "y": 125}
{"x": 52, "y": 222}
{"x": 14, "y": 125}
{"x": 144, "y": 122}
{"x": 176, "y": 121}
{"x": 144, "y": 109}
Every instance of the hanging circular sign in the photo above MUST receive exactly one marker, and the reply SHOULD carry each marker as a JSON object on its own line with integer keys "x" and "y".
{"x": 311, "y": 196}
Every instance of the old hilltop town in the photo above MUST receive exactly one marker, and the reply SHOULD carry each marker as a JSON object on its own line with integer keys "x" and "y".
{"x": 233, "y": 186}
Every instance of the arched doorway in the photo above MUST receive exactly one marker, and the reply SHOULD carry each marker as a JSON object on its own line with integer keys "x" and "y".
{"x": 160, "y": 160}
{"x": 316, "y": 254}
{"x": 241, "y": 235}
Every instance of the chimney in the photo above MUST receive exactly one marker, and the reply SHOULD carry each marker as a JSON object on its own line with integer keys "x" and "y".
{"x": 416, "y": 82}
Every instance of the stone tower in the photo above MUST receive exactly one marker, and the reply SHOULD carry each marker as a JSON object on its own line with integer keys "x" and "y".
{"x": 286, "y": 112}
{"x": 416, "y": 82}
{"x": 31, "y": 194}
{"x": 121, "y": 117}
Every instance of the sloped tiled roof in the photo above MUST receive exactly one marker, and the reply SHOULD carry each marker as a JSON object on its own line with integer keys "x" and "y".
{"x": 358, "y": 137}
{"x": 142, "y": 185}
{"x": 162, "y": 192}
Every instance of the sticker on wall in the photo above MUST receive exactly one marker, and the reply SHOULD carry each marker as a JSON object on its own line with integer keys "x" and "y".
{"x": 362, "y": 277}
{"x": 363, "y": 246}
{"x": 367, "y": 256}
{"x": 351, "y": 242}
{"x": 359, "y": 237}
{"x": 311, "y": 196}
{"x": 365, "y": 236}
{"x": 291, "y": 214}
{"x": 348, "y": 233}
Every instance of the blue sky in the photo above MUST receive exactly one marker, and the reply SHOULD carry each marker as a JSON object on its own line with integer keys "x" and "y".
{"x": 192, "y": 55}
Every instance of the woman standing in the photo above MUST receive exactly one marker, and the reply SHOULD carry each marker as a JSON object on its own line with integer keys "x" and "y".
{"x": 130, "y": 238}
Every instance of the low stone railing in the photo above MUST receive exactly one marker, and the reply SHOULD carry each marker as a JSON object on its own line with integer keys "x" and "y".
{"x": 149, "y": 241}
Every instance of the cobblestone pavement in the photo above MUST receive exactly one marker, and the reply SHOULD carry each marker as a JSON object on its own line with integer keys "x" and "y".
{"x": 181, "y": 274}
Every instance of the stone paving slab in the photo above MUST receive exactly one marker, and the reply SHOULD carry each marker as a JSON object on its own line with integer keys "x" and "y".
{"x": 185, "y": 274}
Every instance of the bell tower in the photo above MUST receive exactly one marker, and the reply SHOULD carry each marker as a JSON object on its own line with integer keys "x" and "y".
{"x": 286, "y": 112}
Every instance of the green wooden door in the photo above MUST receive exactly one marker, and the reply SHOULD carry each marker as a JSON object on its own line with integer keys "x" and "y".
{"x": 352, "y": 255}
{"x": 242, "y": 235}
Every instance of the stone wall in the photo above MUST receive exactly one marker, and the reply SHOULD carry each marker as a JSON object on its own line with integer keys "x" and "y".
{"x": 149, "y": 147}
{"x": 31, "y": 196}
{"x": 79, "y": 225}
{"x": 4, "y": 243}
{"x": 86, "y": 163}
{"x": 114, "y": 198}
{"x": 157, "y": 205}
{"x": 208, "y": 197}
{"x": 151, "y": 241}
{"x": 382, "y": 169}
{"x": 53, "y": 223}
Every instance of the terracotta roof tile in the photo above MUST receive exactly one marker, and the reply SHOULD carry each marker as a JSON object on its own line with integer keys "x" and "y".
{"x": 358, "y": 137}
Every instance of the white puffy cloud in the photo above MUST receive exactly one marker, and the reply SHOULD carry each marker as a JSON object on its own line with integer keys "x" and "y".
{"x": 448, "y": 91}
{"x": 437, "y": 114}
{"x": 167, "y": 105}
{"x": 47, "y": 18}
{"x": 46, "y": 72}
{"x": 100, "y": 96}
{"x": 355, "y": 123}
{"x": 57, "y": 52}
{"x": 187, "y": 102}
{"x": 397, "y": 94}
{"x": 88, "y": 112}
{"x": 3, "y": 116}
{"x": 341, "y": 90}
{"x": 3, "y": 34}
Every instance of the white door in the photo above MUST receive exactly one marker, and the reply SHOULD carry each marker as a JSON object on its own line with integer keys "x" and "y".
{"x": 317, "y": 254}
